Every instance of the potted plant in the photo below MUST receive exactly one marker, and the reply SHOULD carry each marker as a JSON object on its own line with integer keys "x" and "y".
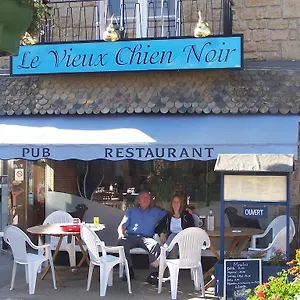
{"x": 18, "y": 17}
{"x": 271, "y": 267}
{"x": 280, "y": 286}
{"x": 275, "y": 264}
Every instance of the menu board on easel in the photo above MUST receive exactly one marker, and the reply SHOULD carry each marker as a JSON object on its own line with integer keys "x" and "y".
{"x": 255, "y": 188}
{"x": 241, "y": 275}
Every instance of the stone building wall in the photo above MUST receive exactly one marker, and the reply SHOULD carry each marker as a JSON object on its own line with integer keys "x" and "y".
{"x": 271, "y": 28}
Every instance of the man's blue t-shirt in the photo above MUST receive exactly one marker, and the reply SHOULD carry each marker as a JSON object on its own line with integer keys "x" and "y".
{"x": 138, "y": 221}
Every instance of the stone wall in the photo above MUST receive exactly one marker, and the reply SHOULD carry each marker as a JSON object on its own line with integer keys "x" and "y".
{"x": 271, "y": 28}
{"x": 4, "y": 62}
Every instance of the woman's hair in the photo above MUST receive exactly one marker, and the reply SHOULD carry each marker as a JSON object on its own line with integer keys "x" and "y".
{"x": 137, "y": 199}
{"x": 182, "y": 202}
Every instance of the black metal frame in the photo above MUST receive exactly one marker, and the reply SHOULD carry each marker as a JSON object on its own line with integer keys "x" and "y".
{"x": 78, "y": 20}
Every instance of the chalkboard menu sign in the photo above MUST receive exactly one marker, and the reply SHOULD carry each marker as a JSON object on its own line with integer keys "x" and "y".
{"x": 239, "y": 276}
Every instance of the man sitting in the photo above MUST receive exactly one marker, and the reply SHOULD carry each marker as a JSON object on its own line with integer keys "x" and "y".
{"x": 136, "y": 230}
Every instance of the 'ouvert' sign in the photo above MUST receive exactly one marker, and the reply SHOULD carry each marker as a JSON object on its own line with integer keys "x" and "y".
{"x": 130, "y": 55}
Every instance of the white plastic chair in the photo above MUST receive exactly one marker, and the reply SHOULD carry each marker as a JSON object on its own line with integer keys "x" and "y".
{"x": 17, "y": 240}
{"x": 279, "y": 237}
{"x": 105, "y": 262}
{"x": 276, "y": 225}
{"x": 190, "y": 243}
{"x": 64, "y": 218}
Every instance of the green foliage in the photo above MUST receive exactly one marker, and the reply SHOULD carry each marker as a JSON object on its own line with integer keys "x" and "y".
{"x": 165, "y": 177}
{"x": 40, "y": 12}
{"x": 278, "y": 258}
{"x": 280, "y": 287}
{"x": 277, "y": 288}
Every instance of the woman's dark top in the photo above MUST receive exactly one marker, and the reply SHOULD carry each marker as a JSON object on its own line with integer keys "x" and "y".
{"x": 164, "y": 224}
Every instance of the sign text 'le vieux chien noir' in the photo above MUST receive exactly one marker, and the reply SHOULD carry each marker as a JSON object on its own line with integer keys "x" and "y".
{"x": 131, "y": 55}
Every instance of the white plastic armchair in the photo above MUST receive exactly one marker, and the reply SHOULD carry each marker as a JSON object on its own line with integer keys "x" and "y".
{"x": 69, "y": 246}
{"x": 191, "y": 242}
{"x": 278, "y": 242}
{"x": 106, "y": 262}
{"x": 17, "y": 240}
{"x": 276, "y": 225}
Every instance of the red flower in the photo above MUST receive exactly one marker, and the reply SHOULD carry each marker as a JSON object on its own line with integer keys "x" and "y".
{"x": 45, "y": 2}
{"x": 260, "y": 294}
{"x": 274, "y": 278}
{"x": 266, "y": 285}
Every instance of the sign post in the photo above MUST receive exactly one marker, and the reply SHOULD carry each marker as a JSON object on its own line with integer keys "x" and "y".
{"x": 254, "y": 181}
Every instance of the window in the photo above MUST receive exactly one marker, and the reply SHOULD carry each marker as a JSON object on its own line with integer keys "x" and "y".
{"x": 146, "y": 18}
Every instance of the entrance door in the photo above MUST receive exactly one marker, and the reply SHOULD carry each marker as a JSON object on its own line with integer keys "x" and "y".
{"x": 17, "y": 193}
{"x": 39, "y": 193}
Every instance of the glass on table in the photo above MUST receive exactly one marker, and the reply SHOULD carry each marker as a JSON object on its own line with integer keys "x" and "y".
{"x": 96, "y": 221}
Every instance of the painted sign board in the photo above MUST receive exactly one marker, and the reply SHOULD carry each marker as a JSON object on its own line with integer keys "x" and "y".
{"x": 216, "y": 52}
{"x": 120, "y": 152}
{"x": 241, "y": 275}
{"x": 260, "y": 212}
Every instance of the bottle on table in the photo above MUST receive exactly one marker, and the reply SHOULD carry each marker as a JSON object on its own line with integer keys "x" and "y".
{"x": 210, "y": 221}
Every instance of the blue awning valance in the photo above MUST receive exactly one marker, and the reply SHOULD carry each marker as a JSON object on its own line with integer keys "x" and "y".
{"x": 171, "y": 137}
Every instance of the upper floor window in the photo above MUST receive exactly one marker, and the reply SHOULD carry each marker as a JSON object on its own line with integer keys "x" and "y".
{"x": 147, "y": 18}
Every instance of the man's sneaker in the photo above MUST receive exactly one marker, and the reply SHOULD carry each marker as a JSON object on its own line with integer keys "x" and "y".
{"x": 131, "y": 274}
{"x": 152, "y": 278}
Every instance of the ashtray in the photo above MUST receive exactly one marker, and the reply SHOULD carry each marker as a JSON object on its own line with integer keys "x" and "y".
{"x": 70, "y": 228}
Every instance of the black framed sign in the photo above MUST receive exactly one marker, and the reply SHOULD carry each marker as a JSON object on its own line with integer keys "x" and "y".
{"x": 241, "y": 275}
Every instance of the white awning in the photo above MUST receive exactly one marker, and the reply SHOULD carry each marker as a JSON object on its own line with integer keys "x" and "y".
{"x": 146, "y": 137}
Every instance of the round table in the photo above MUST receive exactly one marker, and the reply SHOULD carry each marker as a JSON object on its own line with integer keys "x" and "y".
{"x": 55, "y": 230}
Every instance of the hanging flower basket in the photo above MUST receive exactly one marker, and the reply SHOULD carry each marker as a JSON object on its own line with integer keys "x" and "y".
{"x": 16, "y": 18}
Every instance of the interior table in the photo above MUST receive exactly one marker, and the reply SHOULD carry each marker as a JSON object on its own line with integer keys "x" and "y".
{"x": 240, "y": 238}
{"x": 55, "y": 230}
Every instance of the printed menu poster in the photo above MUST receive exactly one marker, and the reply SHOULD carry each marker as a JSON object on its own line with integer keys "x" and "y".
{"x": 255, "y": 188}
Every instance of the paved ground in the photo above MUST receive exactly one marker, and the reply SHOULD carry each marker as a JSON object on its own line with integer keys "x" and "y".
{"x": 6, "y": 263}
{"x": 75, "y": 287}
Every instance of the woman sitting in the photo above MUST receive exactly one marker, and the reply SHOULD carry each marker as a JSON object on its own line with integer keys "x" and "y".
{"x": 176, "y": 220}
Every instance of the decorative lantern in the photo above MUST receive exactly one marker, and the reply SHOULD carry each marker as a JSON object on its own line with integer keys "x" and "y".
{"x": 202, "y": 29}
{"x": 15, "y": 19}
{"x": 112, "y": 32}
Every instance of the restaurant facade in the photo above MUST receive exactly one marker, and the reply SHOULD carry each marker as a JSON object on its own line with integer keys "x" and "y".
{"x": 78, "y": 120}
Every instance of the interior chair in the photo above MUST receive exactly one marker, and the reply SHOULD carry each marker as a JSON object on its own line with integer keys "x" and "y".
{"x": 190, "y": 242}
{"x": 17, "y": 240}
{"x": 106, "y": 262}
{"x": 66, "y": 245}
{"x": 79, "y": 212}
{"x": 278, "y": 227}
